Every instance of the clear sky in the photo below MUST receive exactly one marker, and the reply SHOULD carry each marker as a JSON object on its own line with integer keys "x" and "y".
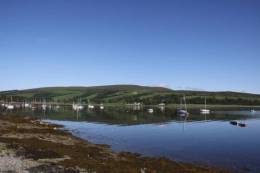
{"x": 181, "y": 44}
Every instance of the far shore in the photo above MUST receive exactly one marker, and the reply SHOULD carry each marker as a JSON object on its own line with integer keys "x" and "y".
{"x": 190, "y": 106}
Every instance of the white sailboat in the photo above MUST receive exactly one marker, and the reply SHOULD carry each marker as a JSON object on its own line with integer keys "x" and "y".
{"x": 252, "y": 111}
{"x": 26, "y": 105}
{"x": 90, "y": 106}
{"x": 10, "y": 106}
{"x": 33, "y": 107}
{"x": 205, "y": 110}
{"x": 150, "y": 111}
{"x": 78, "y": 106}
{"x": 101, "y": 106}
{"x": 74, "y": 106}
{"x": 162, "y": 106}
{"x": 44, "y": 105}
{"x": 57, "y": 107}
{"x": 181, "y": 111}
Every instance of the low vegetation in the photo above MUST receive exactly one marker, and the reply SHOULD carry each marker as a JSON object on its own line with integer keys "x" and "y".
{"x": 30, "y": 145}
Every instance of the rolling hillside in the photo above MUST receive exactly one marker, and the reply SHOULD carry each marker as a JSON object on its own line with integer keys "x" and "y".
{"x": 128, "y": 94}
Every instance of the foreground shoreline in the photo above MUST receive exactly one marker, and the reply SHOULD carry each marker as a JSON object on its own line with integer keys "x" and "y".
{"x": 31, "y": 145}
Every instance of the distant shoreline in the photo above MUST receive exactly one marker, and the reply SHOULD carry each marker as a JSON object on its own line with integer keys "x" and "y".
{"x": 128, "y": 94}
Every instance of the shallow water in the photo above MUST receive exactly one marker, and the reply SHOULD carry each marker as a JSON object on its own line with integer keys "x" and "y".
{"x": 207, "y": 139}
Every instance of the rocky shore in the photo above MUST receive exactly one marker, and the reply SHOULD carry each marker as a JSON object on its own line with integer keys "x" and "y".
{"x": 29, "y": 145}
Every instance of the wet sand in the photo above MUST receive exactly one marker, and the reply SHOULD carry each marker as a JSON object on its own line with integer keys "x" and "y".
{"x": 31, "y": 145}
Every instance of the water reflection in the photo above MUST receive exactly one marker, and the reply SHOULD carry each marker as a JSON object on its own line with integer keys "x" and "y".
{"x": 127, "y": 117}
{"x": 222, "y": 138}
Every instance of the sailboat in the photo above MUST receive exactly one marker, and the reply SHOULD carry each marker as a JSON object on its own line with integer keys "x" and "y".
{"x": 78, "y": 106}
{"x": 26, "y": 105}
{"x": 181, "y": 111}
{"x": 33, "y": 107}
{"x": 205, "y": 110}
{"x": 150, "y": 111}
{"x": 10, "y": 106}
{"x": 90, "y": 106}
{"x": 252, "y": 111}
{"x": 101, "y": 106}
{"x": 44, "y": 105}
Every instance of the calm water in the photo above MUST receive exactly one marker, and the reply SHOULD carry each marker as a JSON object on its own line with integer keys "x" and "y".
{"x": 207, "y": 139}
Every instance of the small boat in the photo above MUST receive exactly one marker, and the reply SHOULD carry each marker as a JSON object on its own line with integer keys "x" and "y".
{"x": 136, "y": 106}
{"x": 44, "y": 106}
{"x": 77, "y": 107}
{"x": 91, "y": 106}
{"x": 10, "y": 107}
{"x": 80, "y": 107}
{"x": 242, "y": 124}
{"x": 180, "y": 111}
{"x": 74, "y": 106}
{"x": 252, "y": 111}
{"x": 57, "y": 107}
{"x": 233, "y": 123}
{"x": 150, "y": 111}
{"x": 101, "y": 107}
{"x": 205, "y": 110}
{"x": 26, "y": 105}
{"x": 161, "y": 106}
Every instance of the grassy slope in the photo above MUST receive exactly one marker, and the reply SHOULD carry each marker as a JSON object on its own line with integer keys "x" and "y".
{"x": 130, "y": 93}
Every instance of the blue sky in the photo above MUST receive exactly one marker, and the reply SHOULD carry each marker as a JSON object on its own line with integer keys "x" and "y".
{"x": 183, "y": 44}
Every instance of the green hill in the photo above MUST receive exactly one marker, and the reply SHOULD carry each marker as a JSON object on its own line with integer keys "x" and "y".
{"x": 128, "y": 94}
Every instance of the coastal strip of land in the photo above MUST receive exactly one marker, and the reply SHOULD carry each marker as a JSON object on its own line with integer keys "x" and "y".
{"x": 31, "y": 145}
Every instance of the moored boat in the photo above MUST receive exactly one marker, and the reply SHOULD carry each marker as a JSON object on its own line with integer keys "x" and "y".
{"x": 150, "y": 110}
{"x": 205, "y": 110}
{"x": 180, "y": 111}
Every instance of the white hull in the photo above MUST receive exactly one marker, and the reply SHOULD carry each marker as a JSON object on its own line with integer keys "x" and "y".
{"x": 10, "y": 107}
{"x": 182, "y": 112}
{"x": 205, "y": 111}
{"x": 91, "y": 106}
{"x": 26, "y": 105}
{"x": 150, "y": 111}
{"x": 44, "y": 107}
{"x": 76, "y": 107}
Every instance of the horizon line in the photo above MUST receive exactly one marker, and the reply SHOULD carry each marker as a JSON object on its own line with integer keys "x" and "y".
{"x": 158, "y": 86}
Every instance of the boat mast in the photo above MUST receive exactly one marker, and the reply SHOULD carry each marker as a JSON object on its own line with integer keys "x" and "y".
{"x": 205, "y": 102}
{"x": 185, "y": 103}
{"x": 181, "y": 103}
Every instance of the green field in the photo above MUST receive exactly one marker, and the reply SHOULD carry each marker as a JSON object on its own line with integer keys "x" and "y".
{"x": 121, "y": 94}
